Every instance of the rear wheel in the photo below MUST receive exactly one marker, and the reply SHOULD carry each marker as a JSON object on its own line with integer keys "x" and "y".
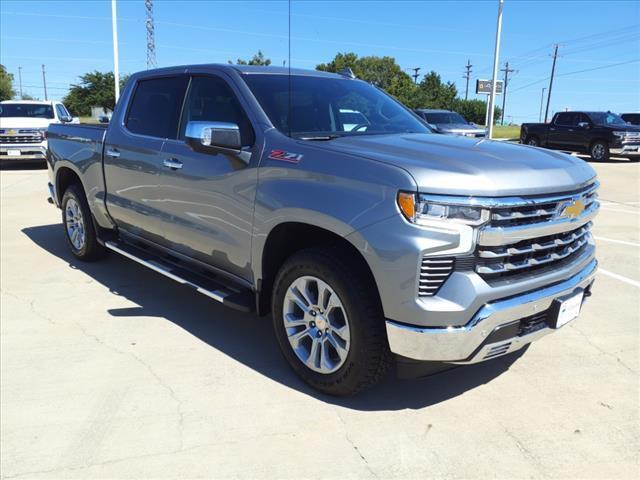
{"x": 328, "y": 323}
{"x": 532, "y": 141}
{"x": 599, "y": 151}
{"x": 78, "y": 224}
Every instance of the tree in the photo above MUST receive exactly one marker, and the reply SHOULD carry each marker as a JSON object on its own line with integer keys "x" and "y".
{"x": 258, "y": 59}
{"x": 96, "y": 89}
{"x": 6, "y": 84}
{"x": 383, "y": 72}
{"x": 474, "y": 110}
{"x": 26, "y": 96}
{"x": 433, "y": 93}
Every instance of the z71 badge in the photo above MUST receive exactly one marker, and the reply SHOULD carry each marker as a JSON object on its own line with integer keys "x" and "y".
{"x": 285, "y": 156}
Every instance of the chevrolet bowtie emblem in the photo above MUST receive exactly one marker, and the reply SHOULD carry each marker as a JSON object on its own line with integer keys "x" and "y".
{"x": 572, "y": 209}
{"x": 12, "y": 132}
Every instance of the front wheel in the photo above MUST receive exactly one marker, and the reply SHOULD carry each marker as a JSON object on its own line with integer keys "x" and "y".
{"x": 599, "y": 151}
{"x": 329, "y": 323}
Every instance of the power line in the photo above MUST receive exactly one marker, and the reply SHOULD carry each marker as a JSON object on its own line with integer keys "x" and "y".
{"x": 44, "y": 82}
{"x": 506, "y": 71}
{"x": 467, "y": 76}
{"x": 553, "y": 71}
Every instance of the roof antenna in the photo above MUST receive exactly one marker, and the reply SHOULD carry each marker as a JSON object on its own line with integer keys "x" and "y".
{"x": 347, "y": 72}
{"x": 289, "y": 119}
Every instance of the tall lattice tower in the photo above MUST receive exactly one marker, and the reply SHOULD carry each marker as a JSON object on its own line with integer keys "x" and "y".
{"x": 151, "y": 39}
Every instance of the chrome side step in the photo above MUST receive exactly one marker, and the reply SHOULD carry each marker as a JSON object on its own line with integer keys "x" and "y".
{"x": 231, "y": 296}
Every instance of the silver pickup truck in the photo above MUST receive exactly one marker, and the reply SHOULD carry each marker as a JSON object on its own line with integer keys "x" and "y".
{"x": 368, "y": 244}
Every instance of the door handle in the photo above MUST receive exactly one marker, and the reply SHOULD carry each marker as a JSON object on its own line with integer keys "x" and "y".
{"x": 113, "y": 153}
{"x": 172, "y": 163}
{"x": 552, "y": 129}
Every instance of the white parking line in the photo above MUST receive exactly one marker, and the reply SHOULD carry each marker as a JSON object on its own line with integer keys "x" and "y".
{"x": 609, "y": 209}
{"x": 621, "y": 242}
{"x": 619, "y": 277}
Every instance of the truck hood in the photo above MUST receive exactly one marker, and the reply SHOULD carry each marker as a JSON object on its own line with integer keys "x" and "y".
{"x": 25, "y": 122}
{"x": 454, "y": 165}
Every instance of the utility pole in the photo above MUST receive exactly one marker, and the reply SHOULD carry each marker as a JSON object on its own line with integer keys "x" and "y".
{"x": 151, "y": 39}
{"x": 496, "y": 60}
{"x": 44, "y": 82}
{"x": 506, "y": 71}
{"x": 416, "y": 74}
{"x": 467, "y": 75}
{"x": 20, "y": 80}
{"x": 553, "y": 71}
{"x": 541, "y": 104}
{"x": 116, "y": 69}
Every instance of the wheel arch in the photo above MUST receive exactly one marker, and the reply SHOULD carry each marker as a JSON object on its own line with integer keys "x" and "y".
{"x": 287, "y": 238}
{"x": 66, "y": 176}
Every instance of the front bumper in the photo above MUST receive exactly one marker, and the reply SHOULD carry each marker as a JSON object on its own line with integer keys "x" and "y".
{"x": 27, "y": 151}
{"x": 493, "y": 331}
{"x": 626, "y": 151}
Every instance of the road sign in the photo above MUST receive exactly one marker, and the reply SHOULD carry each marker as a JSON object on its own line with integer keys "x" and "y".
{"x": 484, "y": 86}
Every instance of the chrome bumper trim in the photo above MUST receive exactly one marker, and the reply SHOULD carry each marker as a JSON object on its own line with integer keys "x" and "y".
{"x": 631, "y": 150}
{"x": 458, "y": 344}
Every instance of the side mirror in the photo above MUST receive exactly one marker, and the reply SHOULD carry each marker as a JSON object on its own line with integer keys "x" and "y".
{"x": 66, "y": 119}
{"x": 204, "y": 136}
{"x": 583, "y": 125}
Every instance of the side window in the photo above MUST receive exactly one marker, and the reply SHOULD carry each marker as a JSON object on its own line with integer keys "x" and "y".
{"x": 582, "y": 118}
{"x": 565, "y": 119}
{"x": 210, "y": 99}
{"x": 155, "y": 107}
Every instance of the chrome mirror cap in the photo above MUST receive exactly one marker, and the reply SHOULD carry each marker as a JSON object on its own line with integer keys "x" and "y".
{"x": 214, "y": 134}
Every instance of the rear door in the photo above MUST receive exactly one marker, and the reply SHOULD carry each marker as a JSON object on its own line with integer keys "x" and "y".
{"x": 208, "y": 200}
{"x": 132, "y": 155}
{"x": 562, "y": 131}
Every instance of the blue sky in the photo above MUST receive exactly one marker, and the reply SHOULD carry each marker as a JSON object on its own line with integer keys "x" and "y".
{"x": 73, "y": 37}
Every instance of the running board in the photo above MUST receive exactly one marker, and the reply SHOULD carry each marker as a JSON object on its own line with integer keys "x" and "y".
{"x": 235, "y": 297}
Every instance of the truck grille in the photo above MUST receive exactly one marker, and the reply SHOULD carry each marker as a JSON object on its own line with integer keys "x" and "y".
{"x": 20, "y": 136}
{"x": 433, "y": 272}
{"x": 531, "y": 253}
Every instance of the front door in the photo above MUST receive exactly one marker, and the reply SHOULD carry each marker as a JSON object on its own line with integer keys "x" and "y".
{"x": 562, "y": 131}
{"x": 208, "y": 198}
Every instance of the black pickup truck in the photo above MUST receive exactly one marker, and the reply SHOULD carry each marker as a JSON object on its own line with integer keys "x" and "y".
{"x": 599, "y": 134}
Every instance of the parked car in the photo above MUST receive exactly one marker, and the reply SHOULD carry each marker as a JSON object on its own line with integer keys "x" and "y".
{"x": 600, "y": 134}
{"x": 632, "y": 118}
{"x": 450, "y": 123}
{"x": 366, "y": 247}
{"x": 23, "y": 128}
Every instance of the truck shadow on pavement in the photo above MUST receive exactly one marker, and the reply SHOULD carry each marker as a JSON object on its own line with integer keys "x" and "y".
{"x": 248, "y": 338}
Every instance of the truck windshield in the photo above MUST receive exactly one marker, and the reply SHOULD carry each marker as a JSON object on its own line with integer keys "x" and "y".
{"x": 445, "y": 117}
{"x": 607, "y": 118}
{"x": 34, "y": 110}
{"x": 318, "y": 107}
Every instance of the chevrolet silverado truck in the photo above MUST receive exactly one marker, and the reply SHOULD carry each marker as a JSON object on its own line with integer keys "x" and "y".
{"x": 600, "y": 134}
{"x": 23, "y": 128}
{"x": 369, "y": 245}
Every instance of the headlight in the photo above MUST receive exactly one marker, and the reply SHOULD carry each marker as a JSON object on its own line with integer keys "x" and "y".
{"x": 417, "y": 209}
{"x": 620, "y": 135}
{"x": 43, "y": 133}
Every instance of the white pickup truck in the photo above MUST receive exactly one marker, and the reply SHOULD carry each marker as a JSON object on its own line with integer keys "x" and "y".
{"x": 23, "y": 128}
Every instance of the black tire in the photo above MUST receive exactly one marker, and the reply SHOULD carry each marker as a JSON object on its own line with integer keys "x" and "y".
{"x": 532, "y": 141}
{"x": 599, "y": 151}
{"x": 90, "y": 249}
{"x": 368, "y": 359}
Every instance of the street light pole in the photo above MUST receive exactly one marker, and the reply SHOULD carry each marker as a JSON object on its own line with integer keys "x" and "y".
{"x": 114, "y": 26}
{"x": 20, "y": 80}
{"x": 496, "y": 59}
{"x": 541, "y": 104}
{"x": 44, "y": 83}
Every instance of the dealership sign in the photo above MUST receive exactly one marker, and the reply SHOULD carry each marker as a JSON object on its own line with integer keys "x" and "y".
{"x": 484, "y": 86}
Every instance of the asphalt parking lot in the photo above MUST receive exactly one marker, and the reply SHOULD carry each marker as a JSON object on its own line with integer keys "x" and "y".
{"x": 110, "y": 370}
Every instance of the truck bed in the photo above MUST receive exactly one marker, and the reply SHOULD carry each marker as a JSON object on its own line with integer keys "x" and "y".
{"x": 75, "y": 143}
